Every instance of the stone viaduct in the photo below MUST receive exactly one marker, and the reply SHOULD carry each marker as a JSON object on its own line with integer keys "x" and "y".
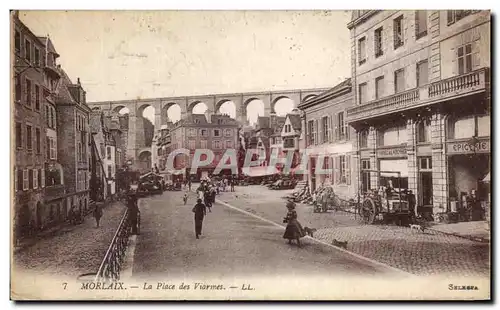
{"x": 135, "y": 137}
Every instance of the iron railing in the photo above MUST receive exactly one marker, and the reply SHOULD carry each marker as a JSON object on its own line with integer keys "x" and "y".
{"x": 109, "y": 270}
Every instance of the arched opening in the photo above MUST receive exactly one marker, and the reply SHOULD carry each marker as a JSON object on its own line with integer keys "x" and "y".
{"x": 170, "y": 112}
{"x": 254, "y": 109}
{"x": 282, "y": 106}
{"x": 145, "y": 134}
{"x": 144, "y": 161}
{"x": 122, "y": 110}
{"x": 198, "y": 107}
{"x": 227, "y": 107}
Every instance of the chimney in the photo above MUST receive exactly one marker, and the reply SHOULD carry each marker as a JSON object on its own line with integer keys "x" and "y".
{"x": 78, "y": 81}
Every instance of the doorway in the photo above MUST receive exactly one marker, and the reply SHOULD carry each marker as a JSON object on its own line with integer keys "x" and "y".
{"x": 425, "y": 194}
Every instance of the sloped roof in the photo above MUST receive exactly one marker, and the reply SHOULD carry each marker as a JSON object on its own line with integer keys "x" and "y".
{"x": 63, "y": 95}
{"x": 333, "y": 92}
{"x": 48, "y": 45}
{"x": 295, "y": 121}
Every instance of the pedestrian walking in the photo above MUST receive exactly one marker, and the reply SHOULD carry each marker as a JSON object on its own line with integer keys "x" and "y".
{"x": 189, "y": 184}
{"x": 294, "y": 230}
{"x": 232, "y": 185}
{"x": 97, "y": 214}
{"x": 133, "y": 211}
{"x": 199, "y": 211}
{"x": 207, "y": 197}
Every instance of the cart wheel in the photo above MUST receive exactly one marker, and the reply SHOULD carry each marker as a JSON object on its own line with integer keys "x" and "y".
{"x": 368, "y": 211}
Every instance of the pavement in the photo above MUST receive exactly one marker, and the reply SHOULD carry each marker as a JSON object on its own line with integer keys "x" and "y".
{"x": 233, "y": 244}
{"x": 72, "y": 250}
{"x": 433, "y": 252}
{"x": 476, "y": 231}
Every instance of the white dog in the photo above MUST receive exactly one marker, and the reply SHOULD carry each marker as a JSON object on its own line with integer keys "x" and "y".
{"x": 417, "y": 227}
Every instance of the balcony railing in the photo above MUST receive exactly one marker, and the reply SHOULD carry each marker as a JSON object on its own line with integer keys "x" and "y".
{"x": 447, "y": 89}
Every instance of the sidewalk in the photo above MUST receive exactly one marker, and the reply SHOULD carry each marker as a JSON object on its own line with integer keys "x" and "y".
{"x": 72, "y": 250}
{"x": 475, "y": 231}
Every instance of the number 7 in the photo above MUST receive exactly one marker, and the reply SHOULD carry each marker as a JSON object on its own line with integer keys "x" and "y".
{"x": 65, "y": 285}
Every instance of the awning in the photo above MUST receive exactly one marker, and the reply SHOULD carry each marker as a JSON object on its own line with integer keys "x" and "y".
{"x": 487, "y": 177}
{"x": 394, "y": 165}
{"x": 260, "y": 171}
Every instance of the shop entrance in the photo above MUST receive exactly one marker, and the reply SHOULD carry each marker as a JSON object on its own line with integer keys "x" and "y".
{"x": 425, "y": 192}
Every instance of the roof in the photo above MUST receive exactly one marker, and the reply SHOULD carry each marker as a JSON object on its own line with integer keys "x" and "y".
{"x": 295, "y": 121}
{"x": 63, "y": 94}
{"x": 338, "y": 90}
{"x": 48, "y": 45}
{"x": 263, "y": 122}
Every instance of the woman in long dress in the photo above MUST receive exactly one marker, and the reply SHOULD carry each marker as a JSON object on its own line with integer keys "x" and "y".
{"x": 294, "y": 230}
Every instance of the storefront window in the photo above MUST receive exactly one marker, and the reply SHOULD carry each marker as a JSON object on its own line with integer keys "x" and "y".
{"x": 469, "y": 126}
{"x": 393, "y": 136}
{"x": 423, "y": 131}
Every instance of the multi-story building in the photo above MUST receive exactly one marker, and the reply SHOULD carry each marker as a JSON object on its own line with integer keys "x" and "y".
{"x": 290, "y": 136}
{"x": 35, "y": 78}
{"x": 268, "y": 134}
{"x": 329, "y": 140}
{"x": 216, "y": 132}
{"x": 74, "y": 142}
{"x": 422, "y": 92}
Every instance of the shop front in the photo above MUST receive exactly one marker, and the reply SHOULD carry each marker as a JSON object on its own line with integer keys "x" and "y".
{"x": 393, "y": 167}
{"x": 469, "y": 166}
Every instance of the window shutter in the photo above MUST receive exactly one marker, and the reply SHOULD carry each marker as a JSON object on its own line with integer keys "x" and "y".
{"x": 35, "y": 178}
{"x": 336, "y": 127}
{"x": 332, "y": 166}
{"x": 346, "y": 127}
{"x": 15, "y": 179}
{"x": 348, "y": 169}
{"x": 25, "y": 179}
{"x": 320, "y": 130}
{"x": 330, "y": 129}
{"x": 476, "y": 61}
{"x": 315, "y": 124}
{"x": 337, "y": 170}
{"x": 43, "y": 177}
{"x": 454, "y": 61}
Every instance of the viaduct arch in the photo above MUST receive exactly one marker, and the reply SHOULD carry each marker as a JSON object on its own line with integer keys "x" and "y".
{"x": 136, "y": 141}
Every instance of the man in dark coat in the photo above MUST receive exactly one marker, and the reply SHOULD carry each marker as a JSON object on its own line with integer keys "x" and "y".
{"x": 133, "y": 211}
{"x": 208, "y": 199}
{"x": 199, "y": 211}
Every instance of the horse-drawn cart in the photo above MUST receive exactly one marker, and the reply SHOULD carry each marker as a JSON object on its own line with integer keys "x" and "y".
{"x": 390, "y": 204}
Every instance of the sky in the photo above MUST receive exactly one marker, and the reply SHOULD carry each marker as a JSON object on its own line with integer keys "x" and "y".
{"x": 122, "y": 55}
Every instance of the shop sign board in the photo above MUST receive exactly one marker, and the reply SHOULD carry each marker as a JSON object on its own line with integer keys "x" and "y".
{"x": 392, "y": 152}
{"x": 466, "y": 147}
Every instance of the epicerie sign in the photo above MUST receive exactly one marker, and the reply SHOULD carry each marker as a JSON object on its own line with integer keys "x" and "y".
{"x": 466, "y": 147}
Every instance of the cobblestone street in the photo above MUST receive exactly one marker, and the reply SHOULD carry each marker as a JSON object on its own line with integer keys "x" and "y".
{"x": 74, "y": 250}
{"x": 415, "y": 252}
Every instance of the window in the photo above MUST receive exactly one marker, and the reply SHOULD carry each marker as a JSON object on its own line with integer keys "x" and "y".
{"x": 310, "y": 132}
{"x": 422, "y": 73}
{"x": 109, "y": 171}
{"x": 379, "y": 87}
{"x": 227, "y": 132}
{"x": 192, "y": 132}
{"x": 362, "y": 93}
{"x": 203, "y": 144}
{"x": 17, "y": 41}
{"x": 108, "y": 152}
{"x": 25, "y": 180}
{"x": 19, "y": 135}
{"x": 425, "y": 163}
{"x": 398, "y": 32}
{"x": 217, "y": 145}
{"x": 378, "y": 42}
{"x": 464, "y": 54}
{"x": 216, "y": 133}
{"x": 424, "y": 131}
{"x": 393, "y": 136}
{"x": 456, "y": 15}
{"x": 192, "y": 144}
{"x": 28, "y": 92}
{"x": 399, "y": 81}
{"x": 326, "y": 129}
{"x": 27, "y": 50}
{"x": 288, "y": 143}
{"x": 365, "y": 176}
{"x": 38, "y": 141}
{"x": 204, "y": 133}
{"x": 20, "y": 179}
{"x": 288, "y": 128}
{"x": 37, "y": 97}
{"x": 37, "y": 57}
{"x": 229, "y": 144}
{"x": 420, "y": 24}
{"x": 18, "y": 92}
{"x": 342, "y": 126}
{"x": 363, "y": 139}
{"x": 342, "y": 177}
{"x": 39, "y": 175}
{"x": 362, "y": 50}
{"x": 35, "y": 178}
{"x": 30, "y": 179}
{"x": 29, "y": 138}
{"x": 469, "y": 126}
